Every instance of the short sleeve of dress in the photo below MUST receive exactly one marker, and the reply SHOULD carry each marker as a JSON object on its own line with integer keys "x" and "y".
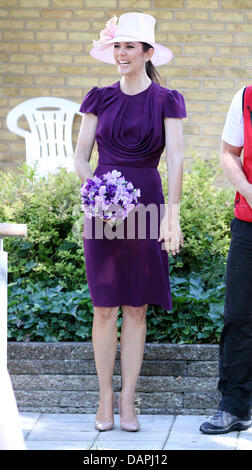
{"x": 91, "y": 101}
{"x": 173, "y": 104}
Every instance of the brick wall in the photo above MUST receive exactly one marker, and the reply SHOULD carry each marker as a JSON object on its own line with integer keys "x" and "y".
{"x": 44, "y": 50}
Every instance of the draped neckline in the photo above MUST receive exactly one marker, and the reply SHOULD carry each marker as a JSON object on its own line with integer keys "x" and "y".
{"x": 137, "y": 94}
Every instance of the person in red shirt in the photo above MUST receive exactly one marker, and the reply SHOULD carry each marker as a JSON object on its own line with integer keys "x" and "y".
{"x": 235, "y": 358}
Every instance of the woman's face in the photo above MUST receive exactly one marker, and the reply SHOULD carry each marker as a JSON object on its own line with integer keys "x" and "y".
{"x": 130, "y": 57}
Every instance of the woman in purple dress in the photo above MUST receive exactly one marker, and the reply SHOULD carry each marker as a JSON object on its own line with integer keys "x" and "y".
{"x": 132, "y": 120}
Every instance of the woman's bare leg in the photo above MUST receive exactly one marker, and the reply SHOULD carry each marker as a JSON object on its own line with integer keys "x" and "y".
{"x": 104, "y": 336}
{"x": 132, "y": 344}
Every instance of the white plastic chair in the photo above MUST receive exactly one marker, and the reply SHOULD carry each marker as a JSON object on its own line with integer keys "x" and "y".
{"x": 49, "y": 141}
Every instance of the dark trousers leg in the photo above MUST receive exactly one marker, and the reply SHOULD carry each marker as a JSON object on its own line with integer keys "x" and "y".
{"x": 235, "y": 360}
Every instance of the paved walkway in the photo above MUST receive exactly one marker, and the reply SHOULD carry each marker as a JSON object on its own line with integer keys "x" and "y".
{"x": 158, "y": 432}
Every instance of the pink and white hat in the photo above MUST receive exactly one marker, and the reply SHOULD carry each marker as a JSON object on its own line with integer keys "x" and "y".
{"x": 130, "y": 27}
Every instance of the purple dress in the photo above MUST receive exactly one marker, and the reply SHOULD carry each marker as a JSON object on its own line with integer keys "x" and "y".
{"x": 130, "y": 137}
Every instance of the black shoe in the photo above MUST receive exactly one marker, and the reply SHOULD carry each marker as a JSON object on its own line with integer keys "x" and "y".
{"x": 223, "y": 422}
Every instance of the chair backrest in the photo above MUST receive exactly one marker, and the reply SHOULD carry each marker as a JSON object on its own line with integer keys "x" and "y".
{"x": 49, "y": 141}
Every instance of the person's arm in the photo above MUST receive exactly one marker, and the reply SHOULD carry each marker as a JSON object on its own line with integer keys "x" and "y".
{"x": 233, "y": 170}
{"x": 170, "y": 230}
{"x": 84, "y": 146}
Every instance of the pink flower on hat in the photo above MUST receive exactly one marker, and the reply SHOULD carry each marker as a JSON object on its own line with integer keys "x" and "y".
{"x": 108, "y": 32}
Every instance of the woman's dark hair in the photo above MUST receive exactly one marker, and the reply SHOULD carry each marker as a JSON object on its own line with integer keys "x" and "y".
{"x": 150, "y": 69}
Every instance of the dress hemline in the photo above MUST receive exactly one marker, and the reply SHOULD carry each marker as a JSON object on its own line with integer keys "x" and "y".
{"x": 141, "y": 305}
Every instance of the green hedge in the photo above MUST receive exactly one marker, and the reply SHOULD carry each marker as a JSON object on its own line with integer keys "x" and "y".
{"x": 48, "y": 294}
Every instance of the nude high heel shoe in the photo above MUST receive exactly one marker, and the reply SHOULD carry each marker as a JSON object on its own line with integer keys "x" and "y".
{"x": 105, "y": 425}
{"x": 131, "y": 427}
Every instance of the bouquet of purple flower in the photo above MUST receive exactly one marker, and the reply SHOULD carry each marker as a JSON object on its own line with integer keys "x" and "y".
{"x": 109, "y": 196}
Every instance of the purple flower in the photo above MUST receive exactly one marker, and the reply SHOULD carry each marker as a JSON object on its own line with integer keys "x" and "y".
{"x": 109, "y": 196}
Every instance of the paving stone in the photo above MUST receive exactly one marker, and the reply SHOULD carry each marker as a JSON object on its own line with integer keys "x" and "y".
{"x": 28, "y": 420}
{"x": 62, "y": 435}
{"x": 75, "y": 426}
{"x": 185, "y": 435}
{"x": 57, "y": 445}
{"x": 245, "y": 440}
{"x": 136, "y": 444}
{"x": 156, "y": 423}
{"x": 167, "y": 432}
{"x": 65, "y": 418}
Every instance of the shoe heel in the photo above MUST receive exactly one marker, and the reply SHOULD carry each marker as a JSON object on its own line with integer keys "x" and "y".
{"x": 131, "y": 427}
{"x": 105, "y": 426}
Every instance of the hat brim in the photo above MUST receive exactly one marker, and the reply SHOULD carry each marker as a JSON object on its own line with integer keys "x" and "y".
{"x": 104, "y": 52}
